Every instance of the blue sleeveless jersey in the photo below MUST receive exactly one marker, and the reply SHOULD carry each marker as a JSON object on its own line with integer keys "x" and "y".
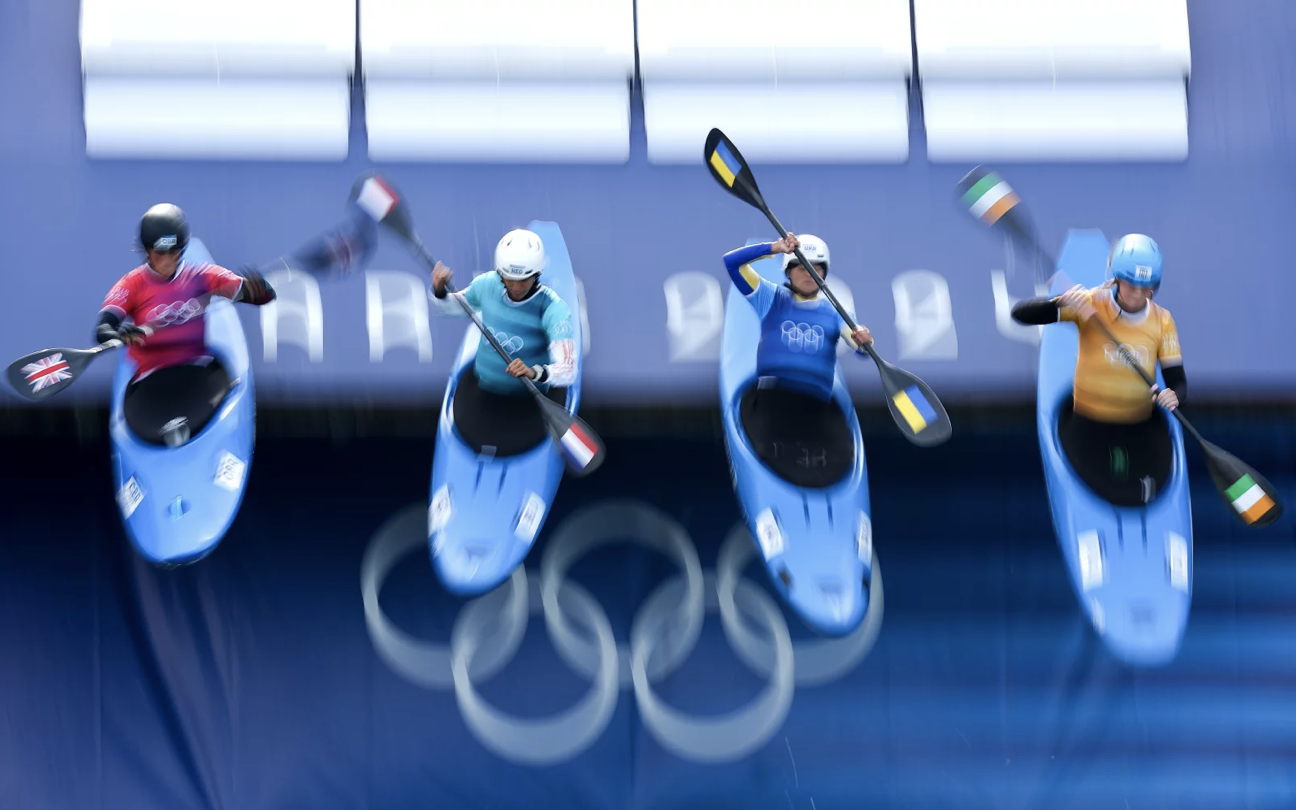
{"x": 524, "y": 329}
{"x": 798, "y": 340}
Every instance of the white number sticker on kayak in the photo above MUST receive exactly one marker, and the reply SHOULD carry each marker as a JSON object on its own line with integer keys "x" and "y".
{"x": 1177, "y": 560}
{"x": 129, "y": 497}
{"x": 439, "y": 510}
{"x": 769, "y": 535}
{"x": 1091, "y": 561}
{"x": 529, "y": 518}
{"x": 229, "y": 472}
{"x": 864, "y": 539}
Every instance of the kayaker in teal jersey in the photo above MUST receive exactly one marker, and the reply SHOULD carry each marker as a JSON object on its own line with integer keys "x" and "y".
{"x": 528, "y": 319}
{"x": 799, "y": 327}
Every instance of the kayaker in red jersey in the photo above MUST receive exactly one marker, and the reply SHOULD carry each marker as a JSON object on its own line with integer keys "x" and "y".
{"x": 178, "y": 384}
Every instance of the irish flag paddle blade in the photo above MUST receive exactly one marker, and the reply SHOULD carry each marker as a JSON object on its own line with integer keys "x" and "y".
{"x": 1248, "y": 494}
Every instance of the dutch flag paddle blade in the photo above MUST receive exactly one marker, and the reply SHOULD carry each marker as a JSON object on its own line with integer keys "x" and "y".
{"x": 579, "y": 448}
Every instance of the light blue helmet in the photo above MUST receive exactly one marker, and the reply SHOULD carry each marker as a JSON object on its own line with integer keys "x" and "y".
{"x": 1136, "y": 260}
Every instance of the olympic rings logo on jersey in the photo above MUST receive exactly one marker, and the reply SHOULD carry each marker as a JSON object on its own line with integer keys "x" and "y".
{"x": 802, "y": 337}
{"x": 512, "y": 344}
{"x": 174, "y": 313}
{"x": 1113, "y": 355}
{"x": 667, "y": 627}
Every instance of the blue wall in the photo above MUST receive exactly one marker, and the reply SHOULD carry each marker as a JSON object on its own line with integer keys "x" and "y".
{"x": 258, "y": 678}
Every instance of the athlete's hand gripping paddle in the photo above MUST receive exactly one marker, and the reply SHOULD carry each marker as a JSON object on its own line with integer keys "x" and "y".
{"x": 1251, "y": 498}
{"x": 917, "y": 411}
{"x": 581, "y": 447}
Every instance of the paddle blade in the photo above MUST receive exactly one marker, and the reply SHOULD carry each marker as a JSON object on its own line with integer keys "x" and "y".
{"x": 989, "y": 198}
{"x": 1250, "y": 497}
{"x": 340, "y": 252}
{"x": 374, "y": 195}
{"x": 43, "y": 374}
{"x": 581, "y": 447}
{"x": 730, "y": 170}
{"x": 916, "y": 409}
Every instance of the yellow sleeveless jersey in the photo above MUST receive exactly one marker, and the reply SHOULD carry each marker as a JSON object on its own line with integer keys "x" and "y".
{"x": 1106, "y": 389}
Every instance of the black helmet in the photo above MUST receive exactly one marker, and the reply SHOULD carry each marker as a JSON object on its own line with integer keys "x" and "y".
{"x": 164, "y": 228}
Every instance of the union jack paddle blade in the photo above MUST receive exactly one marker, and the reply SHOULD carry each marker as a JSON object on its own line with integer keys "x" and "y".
{"x": 43, "y": 374}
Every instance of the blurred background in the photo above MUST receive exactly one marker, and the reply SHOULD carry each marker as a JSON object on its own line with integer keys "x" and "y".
{"x": 315, "y": 661}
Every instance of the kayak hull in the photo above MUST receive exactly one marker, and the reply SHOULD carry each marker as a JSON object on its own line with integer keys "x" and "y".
{"x": 177, "y": 503}
{"x": 485, "y": 513}
{"x": 816, "y": 542}
{"x": 1131, "y": 567}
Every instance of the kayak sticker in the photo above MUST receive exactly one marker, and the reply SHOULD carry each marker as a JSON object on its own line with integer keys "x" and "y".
{"x": 1091, "y": 561}
{"x": 528, "y": 522}
{"x": 438, "y": 516}
{"x": 229, "y": 472}
{"x": 129, "y": 497}
{"x": 769, "y": 535}
{"x": 864, "y": 539}
{"x": 1177, "y": 561}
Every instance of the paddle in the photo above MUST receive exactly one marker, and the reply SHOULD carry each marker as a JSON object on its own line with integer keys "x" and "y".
{"x": 914, "y": 406}
{"x": 43, "y": 374}
{"x": 1254, "y": 501}
{"x": 581, "y": 447}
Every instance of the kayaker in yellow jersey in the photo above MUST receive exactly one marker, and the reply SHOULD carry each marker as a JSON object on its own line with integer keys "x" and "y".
{"x": 1113, "y": 437}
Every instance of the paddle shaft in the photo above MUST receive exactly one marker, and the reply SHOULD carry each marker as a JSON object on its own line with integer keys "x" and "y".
{"x": 818, "y": 280}
{"x": 427, "y": 259}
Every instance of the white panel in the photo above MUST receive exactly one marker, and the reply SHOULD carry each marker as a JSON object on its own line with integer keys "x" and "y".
{"x": 509, "y": 39}
{"x": 500, "y": 123}
{"x": 695, "y": 308}
{"x": 274, "y": 38}
{"x": 773, "y": 40}
{"x": 1123, "y": 121}
{"x": 924, "y": 316}
{"x": 396, "y": 314}
{"x": 1052, "y": 39}
{"x": 788, "y": 123}
{"x": 296, "y": 316}
{"x": 248, "y": 120}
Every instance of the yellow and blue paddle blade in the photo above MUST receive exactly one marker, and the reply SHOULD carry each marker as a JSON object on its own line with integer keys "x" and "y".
{"x": 730, "y": 170}
{"x": 917, "y": 410}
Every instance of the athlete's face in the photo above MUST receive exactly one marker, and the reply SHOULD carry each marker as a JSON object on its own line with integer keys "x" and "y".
{"x": 1131, "y": 298}
{"x": 164, "y": 263}
{"x": 801, "y": 281}
{"x": 518, "y": 290}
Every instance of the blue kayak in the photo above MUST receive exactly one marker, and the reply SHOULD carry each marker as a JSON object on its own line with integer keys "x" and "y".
{"x": 489, "y": 500}
{"x": 805, "y": 502}
{"x": 177, "y": 502}
{"x": 1131, "y": 566}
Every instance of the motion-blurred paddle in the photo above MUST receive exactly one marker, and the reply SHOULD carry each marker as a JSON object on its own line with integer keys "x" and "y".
{"x": 914, "y": 406}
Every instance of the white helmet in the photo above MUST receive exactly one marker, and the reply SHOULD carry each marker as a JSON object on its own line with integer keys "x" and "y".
{"x": 519, "y": 255}
{"x": 814, "y": 248}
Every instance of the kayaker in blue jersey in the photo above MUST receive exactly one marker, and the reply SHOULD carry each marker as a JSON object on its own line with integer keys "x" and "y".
{"x": 529, "y": 320}
{"x": 789, "y": 416}
{"x": 799, "y": 327}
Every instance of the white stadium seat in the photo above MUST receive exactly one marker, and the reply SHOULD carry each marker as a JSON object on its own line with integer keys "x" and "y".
{"x": 499, "y": 81}
{"x": 218, "y": 79}
{"x": 816, "y": 81}
{"x": 1054, "y": 80}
